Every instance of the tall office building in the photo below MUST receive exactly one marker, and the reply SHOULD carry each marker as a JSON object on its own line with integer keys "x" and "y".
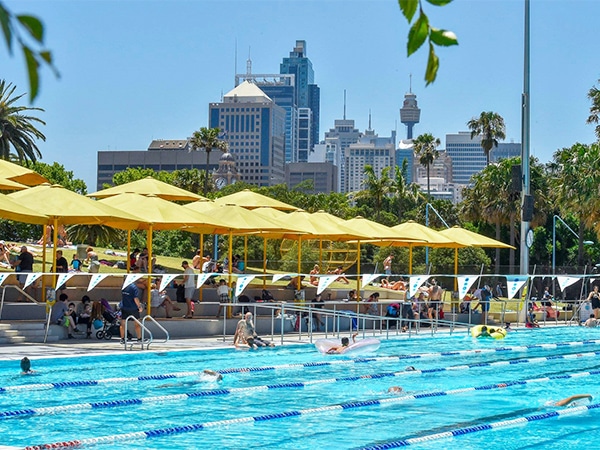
{"x": 281, "y": 88}
{"x": 254, "y": 127}
{"x": 410, "y": 114}
{"x": 468, "y": 157}
{"x": 307, "y": 93}
{"x": 405, "y": 151}
{"x": 378, "y": 152}
{"x": 340, "y": 137}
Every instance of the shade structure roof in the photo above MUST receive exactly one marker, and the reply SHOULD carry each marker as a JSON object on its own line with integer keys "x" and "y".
{"x": 471, "y": 238}
{"x": 251, "y": 200}
{"x": 150, "y": 186}
{"x": 68, "y": 207}
{"x": 20, "y": 174}
{"x": 161, "y": 214}
{"x": 381, "y": 232}
{"x": 323, "y": 227}
{"x": 428, "y": 237}
{"x": 14, "y": 210}
{"x": 10, "y": 185}
{"x": 238, "y": 220}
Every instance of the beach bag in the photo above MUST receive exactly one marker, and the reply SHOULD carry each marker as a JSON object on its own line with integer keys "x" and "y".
{"x": 65, "y": 321}
{"x": 180, "y": 293}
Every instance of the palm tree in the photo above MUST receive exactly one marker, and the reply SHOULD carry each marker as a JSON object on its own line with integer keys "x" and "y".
{"x": 376, "y": 187}
{"x": 207, "y": 139}
{"x": 594, "y": 96}
{"x": 17, "y": 131}
{"x": 490, "y": 126}
{"x": 425, "y": 149}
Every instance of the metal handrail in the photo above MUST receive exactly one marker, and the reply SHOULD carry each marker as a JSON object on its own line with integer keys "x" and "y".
{"x": 25, "y": 294}
{"x": 141, "y": 341}
{"x": 153, "y": 320}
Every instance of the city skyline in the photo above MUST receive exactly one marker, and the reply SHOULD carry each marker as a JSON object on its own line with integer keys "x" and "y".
{"x": 133, "y": 71}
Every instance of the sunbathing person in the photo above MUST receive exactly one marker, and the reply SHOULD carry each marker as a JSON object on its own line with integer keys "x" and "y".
{"x": 314, "y": 280}
{"x": 342, "y": 278}
{"x": 395, "y": 286}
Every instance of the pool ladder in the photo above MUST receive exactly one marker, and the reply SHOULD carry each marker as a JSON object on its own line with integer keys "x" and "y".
{"x": 144, "y": 342}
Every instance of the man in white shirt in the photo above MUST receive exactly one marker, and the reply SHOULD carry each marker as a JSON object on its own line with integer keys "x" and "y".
{"x": 189, "y": 283}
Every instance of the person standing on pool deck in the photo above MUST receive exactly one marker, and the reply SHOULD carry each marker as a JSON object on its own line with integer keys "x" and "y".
{"x": 484, "y": 303}
{"x": 189, "y": 286}
{"x": 594, "y": 298}
{"x": 131, "y": 306}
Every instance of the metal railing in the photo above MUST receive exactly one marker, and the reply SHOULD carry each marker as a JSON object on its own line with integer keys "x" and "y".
{"x": 140, "y": 341}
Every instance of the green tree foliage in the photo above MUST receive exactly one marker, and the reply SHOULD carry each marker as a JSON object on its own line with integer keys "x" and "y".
{"x": 208, "y": 139}
{"x": 576, "y": 186}
{"x": 18, "y": 131}
{"x": 376, "y": 188}
{"x": 57, "y": 174}
{"x": 137, "y": 173}
{"x": 490, "y": 126}
{"x": 421, "y": 31}
{"x": 425, "y": 148}
{"x": 22, "y": 28}
{"x": 594, "y": 117}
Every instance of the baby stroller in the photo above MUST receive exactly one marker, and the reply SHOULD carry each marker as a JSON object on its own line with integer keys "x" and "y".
{"x": 110, "y": 322}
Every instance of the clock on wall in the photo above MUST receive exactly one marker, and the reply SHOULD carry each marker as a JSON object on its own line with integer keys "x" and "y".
{"x": 221, "y": 182}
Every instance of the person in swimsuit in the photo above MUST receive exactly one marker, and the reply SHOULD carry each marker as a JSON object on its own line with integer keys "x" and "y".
{"x": 569, "y": 400}
{"x": 246, "y": 333}
{"x": 339, "y": 349}
{"x": 594, "y": 297}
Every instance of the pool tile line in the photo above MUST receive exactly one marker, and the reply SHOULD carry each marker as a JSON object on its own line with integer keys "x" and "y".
{"x": 342, "y": 406}
{"x": 482, "y": 427}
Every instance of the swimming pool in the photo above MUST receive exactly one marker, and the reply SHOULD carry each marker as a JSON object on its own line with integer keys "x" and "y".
{"x": 293, "y": 397}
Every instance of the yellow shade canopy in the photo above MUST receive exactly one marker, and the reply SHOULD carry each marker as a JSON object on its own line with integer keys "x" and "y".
{"x": 68, "y": 207}
{"x": 20, "y": 174}
{"x": 378, "y": 231}
{"x": 427, "y": 236}
{"x": 470, "y": 238}
{"x": 251, "y": 200}
{"x": 13, "y": 210}
{"x": 322, "y": 227}
{"x": 150, "y": 186}
{"x": 10, "y": 185}
{"x": 238, "y": 220}
{"x": 161, "y": 214}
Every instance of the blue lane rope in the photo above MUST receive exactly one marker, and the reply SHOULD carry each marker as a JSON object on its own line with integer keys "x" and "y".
{"x": 482, "y": 427}
{"x": 218, "y": 392}
{"x": 334, "y": 362}
{"x": 340, "y": 407}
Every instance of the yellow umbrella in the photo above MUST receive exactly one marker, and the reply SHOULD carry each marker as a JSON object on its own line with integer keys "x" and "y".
{"x": 63, "y": 206}
{"x": 12, "y": 210}
{"x": 429, "y": 237}
{"x": 150, "y": 186}
{"x": 9, "y": 185}
{"x": 470, "y": 238}
{"x": 160, "y": 214}
{"x": 381, "y": 233}
{"x": 251, "y": 200}
{"x": 20, "y": 174}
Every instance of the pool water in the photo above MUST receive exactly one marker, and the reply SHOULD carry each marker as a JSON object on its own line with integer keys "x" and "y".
{"x": 289, "y": 397}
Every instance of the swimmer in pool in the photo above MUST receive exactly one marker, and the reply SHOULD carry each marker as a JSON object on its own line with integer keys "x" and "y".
{"x": 410, "y": 369}
{"x": 569, "y": 400}
{"x": 212, "y": 375}
{"x": 395, "y": 390}
{"x": 207, "y": 376}
{"x": 26, "y": 366}
{"x": 341, "y": 348}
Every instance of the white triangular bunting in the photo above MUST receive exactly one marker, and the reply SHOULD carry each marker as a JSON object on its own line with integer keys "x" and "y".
{"x": 202, "y": 277}
{"x": 97, "y": 278}
{"x": 165, "y": 280}
{"x": 3, "y": 277}
{"x": 366, "y": 279}
{"x": 513, "y": 284}
{"x": 63, "y": 278}
{"x": 415, "y": 283}
{"x": 242, "y": 282}
{"x": 31, "y": 277}
{"x": 564, "y": 282}
{"x": 279, "y": 276}
{"x": 325, "y": 281}
{"x": 131, "y": 278}
{"x": 465, "y": 283}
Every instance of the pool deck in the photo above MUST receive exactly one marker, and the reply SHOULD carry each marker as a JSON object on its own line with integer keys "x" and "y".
{"x": 83, "y": 347}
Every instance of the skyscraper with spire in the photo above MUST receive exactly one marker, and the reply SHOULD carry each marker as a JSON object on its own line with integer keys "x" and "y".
{"x": 307, "y": 96}
{"x": 410, "y": 114}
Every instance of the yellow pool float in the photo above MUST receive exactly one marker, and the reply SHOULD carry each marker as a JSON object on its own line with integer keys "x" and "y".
{"x": 488, "y": 331}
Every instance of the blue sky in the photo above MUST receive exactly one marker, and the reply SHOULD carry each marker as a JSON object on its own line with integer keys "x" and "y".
{"x": 137, "y": 70}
